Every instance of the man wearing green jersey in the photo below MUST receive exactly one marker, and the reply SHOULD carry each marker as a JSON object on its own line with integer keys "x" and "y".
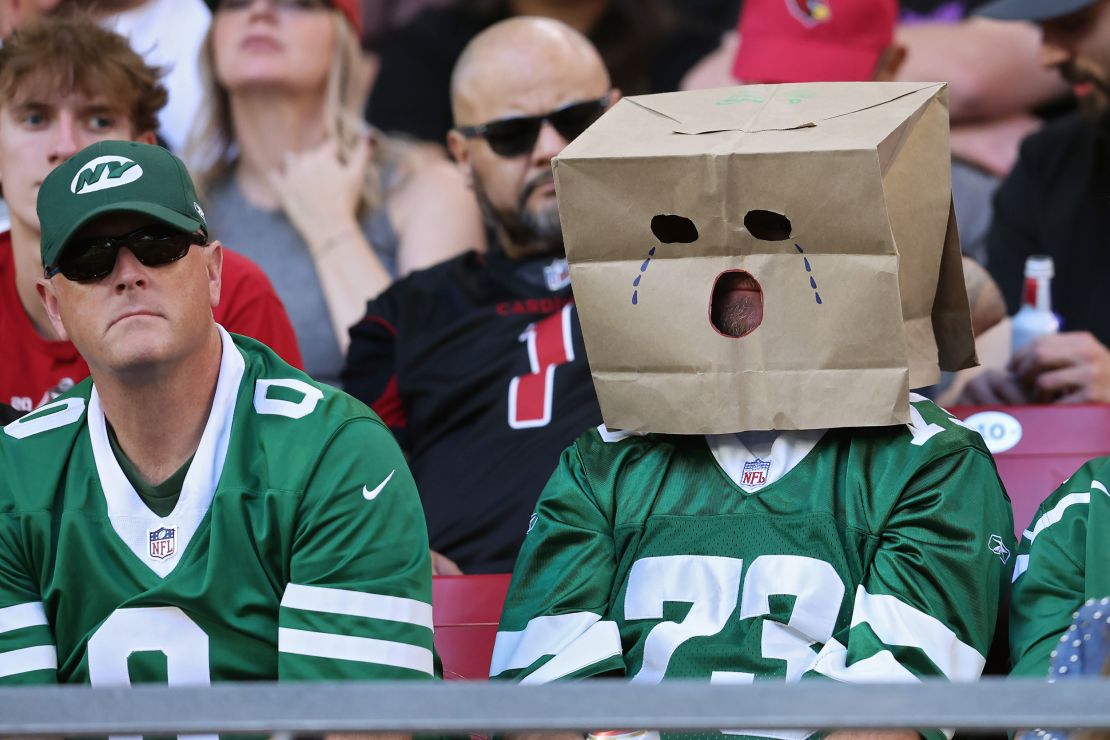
{"x": 198, "y": 510}
{"x": 1061, "y": 564}
{"x": 863, "y": 551}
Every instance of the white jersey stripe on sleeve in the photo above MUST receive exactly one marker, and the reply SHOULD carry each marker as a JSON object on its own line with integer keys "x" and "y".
{"x": 600, "y": 642}
{"x": 357, "y": 604}
{"x": 1056, "y": 513}
{"x": 361, "y": 649}
{"x": 897, "y": 623}
{"x": 25, "y": 660}
{"x": 30, "y": 614}
{"x": 881, "y": 667}
{"x": 556, "y": 634}
{"x": 1021, "y": 564}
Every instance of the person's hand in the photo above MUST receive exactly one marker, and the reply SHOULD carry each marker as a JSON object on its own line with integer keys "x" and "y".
{"x": 318, "y": 193}
{"x": 992, "y": 387}
{"x": 1072, "y": 367}
{"x": 444, "y": 566}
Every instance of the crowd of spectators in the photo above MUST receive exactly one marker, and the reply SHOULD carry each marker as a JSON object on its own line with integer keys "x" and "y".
{"x": 378, "y": 177}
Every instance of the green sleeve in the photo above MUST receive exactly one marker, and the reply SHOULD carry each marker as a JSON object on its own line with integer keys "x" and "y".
{"x": 358, "y": 601}
{"x": 1049, "y": 578}
{"x": 928, "y": 605}
{"x": 554, "y": 624}
{"x": 27, "y": 649}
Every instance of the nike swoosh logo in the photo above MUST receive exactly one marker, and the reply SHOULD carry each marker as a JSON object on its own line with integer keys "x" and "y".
{"x": 371, "y": 495}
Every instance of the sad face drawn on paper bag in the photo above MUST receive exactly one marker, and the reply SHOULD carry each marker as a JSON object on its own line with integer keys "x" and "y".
{"x": 767, "y": 257}
{"x": 736, "y": 301}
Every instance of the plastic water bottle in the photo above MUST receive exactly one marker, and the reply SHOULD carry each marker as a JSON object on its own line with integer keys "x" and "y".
{"x": 1035, "y": 316}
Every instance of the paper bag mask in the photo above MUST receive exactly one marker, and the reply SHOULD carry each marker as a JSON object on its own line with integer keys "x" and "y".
{"x": 835, "y": 198}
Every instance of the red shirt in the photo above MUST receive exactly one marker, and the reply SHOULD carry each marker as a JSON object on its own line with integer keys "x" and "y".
{"x": 31, "y": 366}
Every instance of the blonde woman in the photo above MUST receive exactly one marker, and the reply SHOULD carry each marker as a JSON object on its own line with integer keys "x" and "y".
{"x": 293, "y": 178}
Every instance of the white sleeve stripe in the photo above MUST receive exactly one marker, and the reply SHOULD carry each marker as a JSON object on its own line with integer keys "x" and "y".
{"x": 546, "y": 635}
{"x": 600, "y": 642}
{"x": 360, "y": 649}
{"x": 897, "y": 623}
{"x": 31, "y": 614}
{"x": 25, "y": 660}
{"x": 1056, "y": 513}
{"x": 1021, "y": 564}
{"x": 357, "y": 604}
{"x": 881, "y": 667}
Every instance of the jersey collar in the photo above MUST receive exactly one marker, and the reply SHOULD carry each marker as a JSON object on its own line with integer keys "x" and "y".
{"x": 131, "y": 519}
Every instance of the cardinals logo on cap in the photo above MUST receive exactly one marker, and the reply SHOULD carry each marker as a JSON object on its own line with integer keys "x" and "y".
{"x": 809, "y": 12}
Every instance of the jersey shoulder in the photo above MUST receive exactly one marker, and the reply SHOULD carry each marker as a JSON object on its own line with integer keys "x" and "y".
{"x": 285, "y": 420}
{"x": 932, "y": 433}
{"x": 35, "y": 450}
{"x": 1083, "y": 491}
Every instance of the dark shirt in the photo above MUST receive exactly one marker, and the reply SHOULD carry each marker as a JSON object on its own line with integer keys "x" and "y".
{"x": 468, "y": 364}
{"x": 8, "y": 414}
{"x": 412, "y": 95}
{"x": 1056, "y": 202}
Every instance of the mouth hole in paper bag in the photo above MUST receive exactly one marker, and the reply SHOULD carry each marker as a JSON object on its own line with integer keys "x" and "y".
{"x": 671, "y": 229}
{"x": 767, "y": 226}
{"x": 736, "y": 309}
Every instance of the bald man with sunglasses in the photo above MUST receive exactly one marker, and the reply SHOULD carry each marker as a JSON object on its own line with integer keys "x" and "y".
{"x": 199, "y": 510}
{"x": 477, "y": 364}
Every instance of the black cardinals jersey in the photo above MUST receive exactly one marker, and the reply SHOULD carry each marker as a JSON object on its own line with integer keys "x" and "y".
{"x": 477, "y": 365}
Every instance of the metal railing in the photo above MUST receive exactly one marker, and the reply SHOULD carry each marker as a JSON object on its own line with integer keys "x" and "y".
{"x": 991, "y": 704}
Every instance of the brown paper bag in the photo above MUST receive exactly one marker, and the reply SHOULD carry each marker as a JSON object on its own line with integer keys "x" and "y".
{"x": 834, "y": 197}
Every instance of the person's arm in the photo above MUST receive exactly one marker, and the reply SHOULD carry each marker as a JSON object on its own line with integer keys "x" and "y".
{"x": 928, "y": 604}
{"x": 553, "y": 626}
{"x": 27, "y": 648}
{"x": 358, "y": 602}
{"x": 1050, "y": 571}
{"x": 992, "y": 67}
{"x": 370, "y": 368}
{"x": 436, "y": 216}
{"x": 320, "y": 195}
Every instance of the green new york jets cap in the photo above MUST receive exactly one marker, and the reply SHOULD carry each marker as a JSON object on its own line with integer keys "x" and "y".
{"x": 110, "y": 177}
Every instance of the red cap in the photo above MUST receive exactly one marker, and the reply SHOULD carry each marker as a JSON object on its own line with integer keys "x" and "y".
{"x": 352, "y": 9}
{"x": 813, "y": 40}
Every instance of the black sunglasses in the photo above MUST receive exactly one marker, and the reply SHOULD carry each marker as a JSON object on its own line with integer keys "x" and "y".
{"x": 512, "y": 137}
{"x": 94, "y": 257}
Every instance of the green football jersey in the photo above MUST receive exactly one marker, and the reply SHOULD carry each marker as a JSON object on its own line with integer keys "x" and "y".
{"x": 1051, "y": 575}
{"x": 296, "y": 551}
{"x": 882, "y": 554}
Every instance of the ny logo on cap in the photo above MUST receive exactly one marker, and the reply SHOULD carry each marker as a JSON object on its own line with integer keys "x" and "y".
{"x": 105, "y": 172}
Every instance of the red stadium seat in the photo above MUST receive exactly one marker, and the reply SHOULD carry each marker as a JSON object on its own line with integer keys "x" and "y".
{"x": 1052, "y": 442}
{"x": 465, "y": 612}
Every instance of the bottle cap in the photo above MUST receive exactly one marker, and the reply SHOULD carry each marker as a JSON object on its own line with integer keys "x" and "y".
{"x": 1039, "y": 266}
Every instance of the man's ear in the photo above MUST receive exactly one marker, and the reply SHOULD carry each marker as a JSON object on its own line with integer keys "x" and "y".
{"x": 214, "y": 263}
{"x": 147, "y": 137}
{"x": 615, "y": 94}
{"x": 49, "y": 300}
{"x": 460, "y": 155}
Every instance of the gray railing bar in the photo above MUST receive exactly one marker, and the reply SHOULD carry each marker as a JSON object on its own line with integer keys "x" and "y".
{"x": 586, "y": 705}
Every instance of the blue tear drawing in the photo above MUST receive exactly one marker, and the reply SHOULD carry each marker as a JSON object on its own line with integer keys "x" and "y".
{"x": 636, "y": 282}
{"x": 809, "y": 271}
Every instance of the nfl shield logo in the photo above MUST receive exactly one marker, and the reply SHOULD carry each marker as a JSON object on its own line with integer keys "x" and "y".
{"x": 557, "y": 274}
{"x": 163, "y": 542}
{"x": 755, "y": 473}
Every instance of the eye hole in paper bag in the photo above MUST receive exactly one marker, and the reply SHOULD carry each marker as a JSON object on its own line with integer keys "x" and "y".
{"x": 767, "y": 226}
{"x": 669, "y": 229}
